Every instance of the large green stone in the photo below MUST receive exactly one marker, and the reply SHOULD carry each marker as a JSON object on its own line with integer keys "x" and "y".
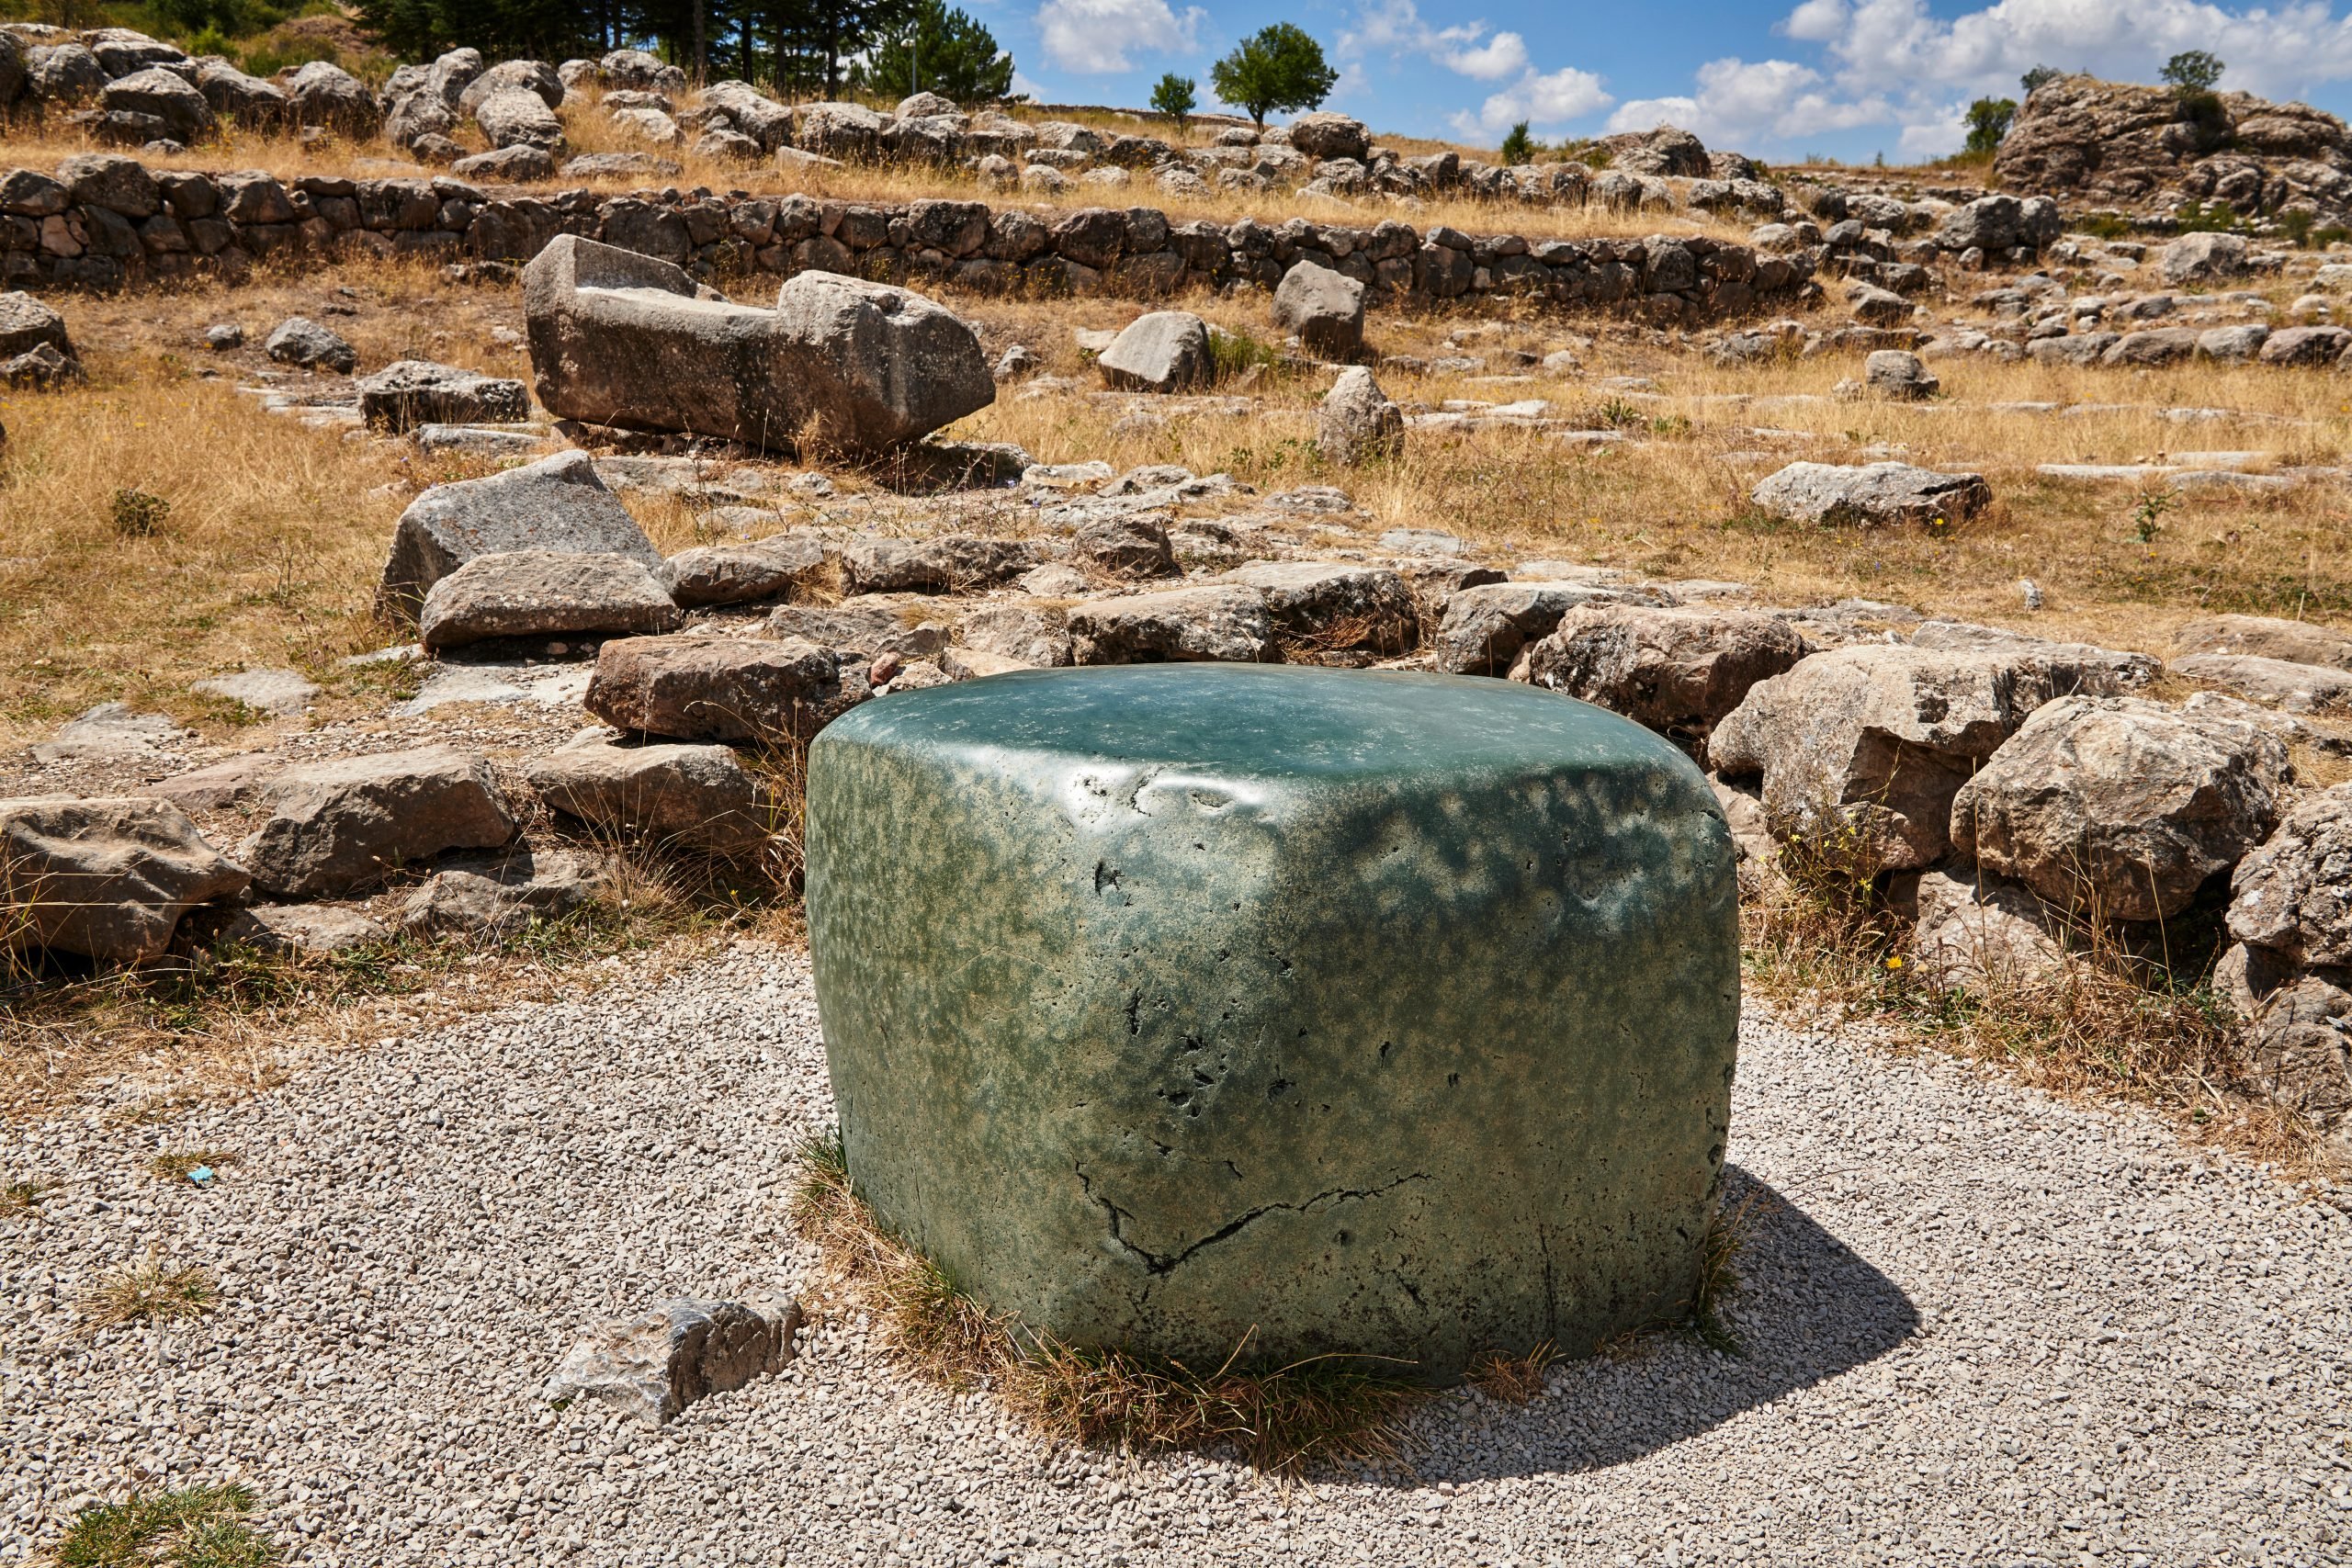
{"x": 1380, "y": 1013}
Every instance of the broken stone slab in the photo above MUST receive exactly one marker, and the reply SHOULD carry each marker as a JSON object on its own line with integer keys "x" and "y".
{"x": 106, "y": 878}
{"x": 515, "y": 117}
{"x": 1861, "y": 750}
{"x": 652, "y": 1367}
{"x": 303, "y": 929}
{"x": 737, "y": 574}
{"x": 864, "y": 626}
{"x": 951, "y": 563}
{"x": 496, "y": 685}
{"x": 1983, "y": 934}
{"x": 2292, "y": 896}
{"x": 2122, "y": 671}
{"x": 2298, "y": 688}
{"x": 1226, "y": 623}
{"x": 1868, "y": 496}
{"x": 1034, "y": 637}
{"x": 1677, "y": 670}
{"x": 1422, "y": 542}
{"x": 557, "y": 503}
{"x": 352, "y": 822}
{"x": 26, "y": 323}
{"x": 976, "y": 664}
{"x": 223, "y": 785}
{"x": 108, "y": 731}
{"x": 481, "y": 441}
{"x": 1334, "y": 607}
{"x": 622, "y": 339}
{"x": 694, "y": 686}
{"x": 412, "y": 392}
{"x": 1323, "y": 307}
{"x": 2261, "y": 637}
{"x": 1358, "y": 424}
{"x": 2119, "y": 809}
{"x": 1136, "y": 544}
{"x": 1163, "y": 351}
{"x": 543, "y": 593}
{"x": 299, "y": 341}
{"x": 1899, "y": 375}
{"x": 1485, "y": 628}
{"x": 283, "y": 692}
{"x": 494, "y": 898}
{"x": 690, "y": 796}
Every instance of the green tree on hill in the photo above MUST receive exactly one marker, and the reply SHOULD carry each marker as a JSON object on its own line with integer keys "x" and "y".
{"x": 1175, "y": 97}
{"x": 935, "y": 50}
{"x": 1988, "y": 121}
{"x": 2038, "y": 75}
{"x": 1280, "y": 68}
{"x": 1518, "y": 147}
{"x": 2193, "y": 70}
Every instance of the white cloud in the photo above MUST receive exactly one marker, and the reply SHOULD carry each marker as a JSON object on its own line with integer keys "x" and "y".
{"x": 1740, "y": 103}
{"x": 1895, "y": 46}
{"x": 1547, "y": 102}
{"x": 1394, "y": 27}
{"x": 1503, "y": 55}
{"x": 1097, "y": 36}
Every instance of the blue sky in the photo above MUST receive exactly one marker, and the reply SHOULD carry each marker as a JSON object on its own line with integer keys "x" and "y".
{"x": 1848, "y": 78}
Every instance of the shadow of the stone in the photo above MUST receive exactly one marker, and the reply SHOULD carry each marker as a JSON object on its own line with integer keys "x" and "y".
{"x": 1808, "y": 1308}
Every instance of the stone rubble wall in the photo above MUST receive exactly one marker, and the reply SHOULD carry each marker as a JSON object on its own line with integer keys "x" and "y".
{"x": 107, "y": 222}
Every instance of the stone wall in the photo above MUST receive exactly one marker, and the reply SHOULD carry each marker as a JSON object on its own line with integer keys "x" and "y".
{"x": 105, "y": 222}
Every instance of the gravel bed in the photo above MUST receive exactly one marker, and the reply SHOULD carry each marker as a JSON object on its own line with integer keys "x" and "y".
{"x": 1980, "y": 1327}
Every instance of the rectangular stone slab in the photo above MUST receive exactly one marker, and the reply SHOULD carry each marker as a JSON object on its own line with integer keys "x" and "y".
{"x": 1170, "y": 1006}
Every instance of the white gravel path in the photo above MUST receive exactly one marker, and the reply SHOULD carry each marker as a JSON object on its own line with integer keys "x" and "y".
{"x": 1982, "y": 1328}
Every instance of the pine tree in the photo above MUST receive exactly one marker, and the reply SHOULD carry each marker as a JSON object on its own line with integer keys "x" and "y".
{"x": 937, "y": 50}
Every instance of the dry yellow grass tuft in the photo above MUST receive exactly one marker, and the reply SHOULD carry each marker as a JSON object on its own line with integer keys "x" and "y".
{"x": 151, "y": 1291}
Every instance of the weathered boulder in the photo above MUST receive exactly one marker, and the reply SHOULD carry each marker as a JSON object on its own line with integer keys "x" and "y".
{"x": 1870, "y": 495}
{"x": 1323, "y": 307}
{"x": 2204, "y": 258}
{"x": 514, "y": 164}
{"x": 950, "y": 563}
{"x": 1358, "y": 422}
{"x": 543, "y": 593}
{"x": 125, "y": 50}
{"x": 736, "y": 574}
{"x": 1877, "y": 306}
{"x": 623, "y": 339}
{"x": 302, "y": 929}
{"x": 687, "y": 796}
{"x": 26, "y": 323}
{"x": 654, "y": 1365}
{"x": 446, "y": 79}
{"x": 1163, "y": 351}
{"x": 64, "y": 73}
{"x": 416, "y": 116}
{"x": 498, "y": 897}
{"x": 2152, "y": 346}
{"x": 299, "y": 341}
{"x": 2259, "y": 637}
{"x": 557, "y": 503}
{"x": 516, "y": 117}
{"x": 1324, "y": 134}
{"x": 1899, "y": 375}
{"x": 1226, "y": 623}
{"x": 534, "y": 76}
{"x": 1861, "y": 750}
{"x": 2119, "y": 809}
{"x": 1159, "y": 924}
{"x": 1133, "y": 544}
{"x": 328, "y": 95}
{"x": 352, "y": 822}
{"x": 851, "y": 132}
{"x": 2293, "y": 896}
{"x": 636, "y": 68}
{"x": 108, "y": 731}
{"x": 1486, "y": 627}
{"x": 2298, "y": 1046}
{"x": 860, "y": 628}
{"x": 167, "y": 97}
{"x": 2306, "y": 345}
{"x": 1668, "y": 151}
{"x": 2297, "y": 687}
{"x": 1984, "y": 934}
{"x": 105, "y": 878}
{"x": 695, "y": 686}
{"x": 1677, "y": 670}
{"x": 1035, "y": 636}
{"x": 1321, "y": 608}
{"x": 410, "y": 392}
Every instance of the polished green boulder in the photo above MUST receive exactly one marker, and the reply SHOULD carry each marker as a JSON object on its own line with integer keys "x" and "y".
{"x": 1174, "y": 1006}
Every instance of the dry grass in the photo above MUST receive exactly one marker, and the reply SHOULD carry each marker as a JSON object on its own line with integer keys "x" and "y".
{"x": 175, "y": 1165}
{"x": 151, "y": 1291}
{"x": 182, "y": 1527}
{"x": 2108, "y": 1024}
{"x": 589, "y": 130}
{"x": 1287, "y": 1418}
